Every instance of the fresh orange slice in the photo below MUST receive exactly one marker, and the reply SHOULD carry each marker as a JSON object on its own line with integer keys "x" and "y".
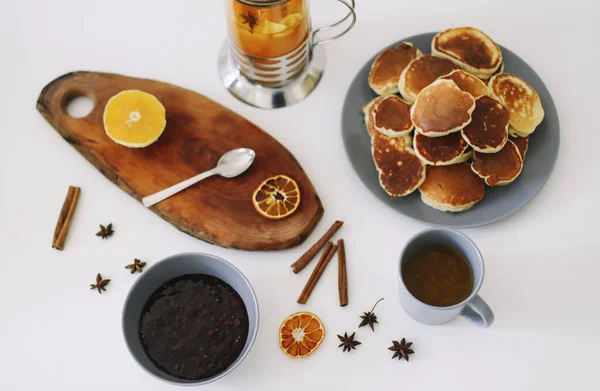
{"x": 301, "y": 334}
{"x": 134, "y": 118}
{"x": 277, "y": 197}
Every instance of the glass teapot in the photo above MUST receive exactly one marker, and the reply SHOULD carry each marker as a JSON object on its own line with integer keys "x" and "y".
{"x": 272, "y": 57}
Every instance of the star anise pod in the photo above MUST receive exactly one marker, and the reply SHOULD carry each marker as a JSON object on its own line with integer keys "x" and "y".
{"x": 369, "y": 318}
{"x": 136, "y": 266}
{"x": 105, "y": 232}
{"x": 100, "y": 284}
{"x": 251, "y": 20}
{"x": 348, "y": 342}
{"x": 401, "y": 349}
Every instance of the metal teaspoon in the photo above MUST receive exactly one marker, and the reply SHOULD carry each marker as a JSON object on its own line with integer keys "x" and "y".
{"x": 230, "y": 165}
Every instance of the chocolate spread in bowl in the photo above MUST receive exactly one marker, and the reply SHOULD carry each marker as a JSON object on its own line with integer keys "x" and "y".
{"x": 194, "y": 327}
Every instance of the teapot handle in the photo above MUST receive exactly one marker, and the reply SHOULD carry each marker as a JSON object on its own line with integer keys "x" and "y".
{"x": 351, "y": 14}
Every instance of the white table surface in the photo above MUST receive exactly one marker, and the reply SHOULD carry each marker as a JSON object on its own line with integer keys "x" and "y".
{"x": 542, "y": 264}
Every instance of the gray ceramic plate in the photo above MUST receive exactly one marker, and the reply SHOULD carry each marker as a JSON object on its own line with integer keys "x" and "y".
{"x": 499, "y": 202}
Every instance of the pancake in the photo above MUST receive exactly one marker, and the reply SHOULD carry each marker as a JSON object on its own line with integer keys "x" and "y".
{"x": 441, "y": 151}
{"x": 369, "y": 120}
{"x": 522, "y": 144}
{"x": 468, "y": 83}
{"x": 420, "y": 73}
{"x": 369, "y": 117}
{"x": 488, "y": 131}
{"x": 500, "y": 168}
{"x": 404, "y": 141}
{"x": 388, "y": 66}
{"x": 392, "y": 116}
{"x": 523, "y": 102}
{"x": 401, "y": 172}
{"x": 372, "y": 102}
{"x": 468, "y": 48}
{"x": 452, "y": 188}
{"x": 442, "y": 108}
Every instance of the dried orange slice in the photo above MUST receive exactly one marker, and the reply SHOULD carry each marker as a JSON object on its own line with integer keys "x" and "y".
{"x": 134, "y": 118}
{"x": 301, "y": 334}
{"x": 277, "y": 197}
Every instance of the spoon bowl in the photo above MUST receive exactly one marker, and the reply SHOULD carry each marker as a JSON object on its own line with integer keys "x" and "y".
{"x": 235, "y": 162}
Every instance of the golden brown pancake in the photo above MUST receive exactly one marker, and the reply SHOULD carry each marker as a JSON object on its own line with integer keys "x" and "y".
{"x": 388, "y": 66}
{"x": 441, "y": 151}
{"x": 522, "y": 144}
{"x": 500, "y": 168}
{"x": 469, "y": 48}
{"x": 401, "y": 172}
{"x": 368, "y": 110}
{"x": 387, "y": 151}
{"x": 488, "y": 131}
{"x": 392, "y": 116}
{"x": 420, "y": 73}
{"x": 468, "y": 83}
{"x": 404, "y": 141}
{"x": 523, "y": 102}
{"x": 442, "y": 108}
{"x": 452, "y": 188}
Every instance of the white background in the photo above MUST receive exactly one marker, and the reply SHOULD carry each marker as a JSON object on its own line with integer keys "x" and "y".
{"x": 543, "y": 264}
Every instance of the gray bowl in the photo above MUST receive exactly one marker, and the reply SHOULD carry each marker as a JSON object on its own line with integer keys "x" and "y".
{"x": 167, "y": 269}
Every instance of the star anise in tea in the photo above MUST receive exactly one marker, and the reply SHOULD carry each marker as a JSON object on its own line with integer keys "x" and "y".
{"x": 348, "y": 342}
{"x": 100, "y": 284}
{"x": 369, "y": 318}
{"x": 251, "y": 20}
{"x": 401, "y": 349}
{"x": 105, "y": 232}
{"x": 136, "y": 266}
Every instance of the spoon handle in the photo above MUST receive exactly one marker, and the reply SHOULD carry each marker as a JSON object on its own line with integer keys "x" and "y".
{"x": 168, "y": 192}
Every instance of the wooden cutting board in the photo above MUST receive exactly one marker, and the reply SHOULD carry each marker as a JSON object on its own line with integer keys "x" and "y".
{"x": 198, "y": 132}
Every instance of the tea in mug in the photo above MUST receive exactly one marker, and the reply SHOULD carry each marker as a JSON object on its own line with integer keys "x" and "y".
{"x": 438, "y": 275}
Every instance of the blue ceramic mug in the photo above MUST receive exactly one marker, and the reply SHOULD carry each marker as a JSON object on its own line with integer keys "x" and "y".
{"x": 474, "y": 308}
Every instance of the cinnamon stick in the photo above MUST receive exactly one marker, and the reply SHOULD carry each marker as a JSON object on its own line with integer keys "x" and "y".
{"x": 308, "y": 256}
{"x": 64, "y": 219}
{"x": 330, "y": 250}
{"x": 342, "y": 274}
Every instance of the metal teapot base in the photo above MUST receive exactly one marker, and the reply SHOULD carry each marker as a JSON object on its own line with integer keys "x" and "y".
{"x": 265, "y": 97}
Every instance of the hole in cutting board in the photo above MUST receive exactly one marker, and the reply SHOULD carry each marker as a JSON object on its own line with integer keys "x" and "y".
{"x": 80, "y": 106}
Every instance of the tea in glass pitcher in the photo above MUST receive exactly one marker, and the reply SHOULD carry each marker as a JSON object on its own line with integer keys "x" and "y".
{"x": 268, "y": 32}
{"x": 271, "y": 58}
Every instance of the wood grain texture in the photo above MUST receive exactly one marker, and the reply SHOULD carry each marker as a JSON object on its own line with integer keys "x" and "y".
{"x": 198, "y": 132}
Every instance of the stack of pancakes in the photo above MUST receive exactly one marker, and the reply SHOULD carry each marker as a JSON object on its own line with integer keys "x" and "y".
{"x": 458, "y": 123}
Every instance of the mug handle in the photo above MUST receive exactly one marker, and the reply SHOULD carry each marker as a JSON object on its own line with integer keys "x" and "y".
{"x": 351, "y": 14}
{"x": 478, "y": 312}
